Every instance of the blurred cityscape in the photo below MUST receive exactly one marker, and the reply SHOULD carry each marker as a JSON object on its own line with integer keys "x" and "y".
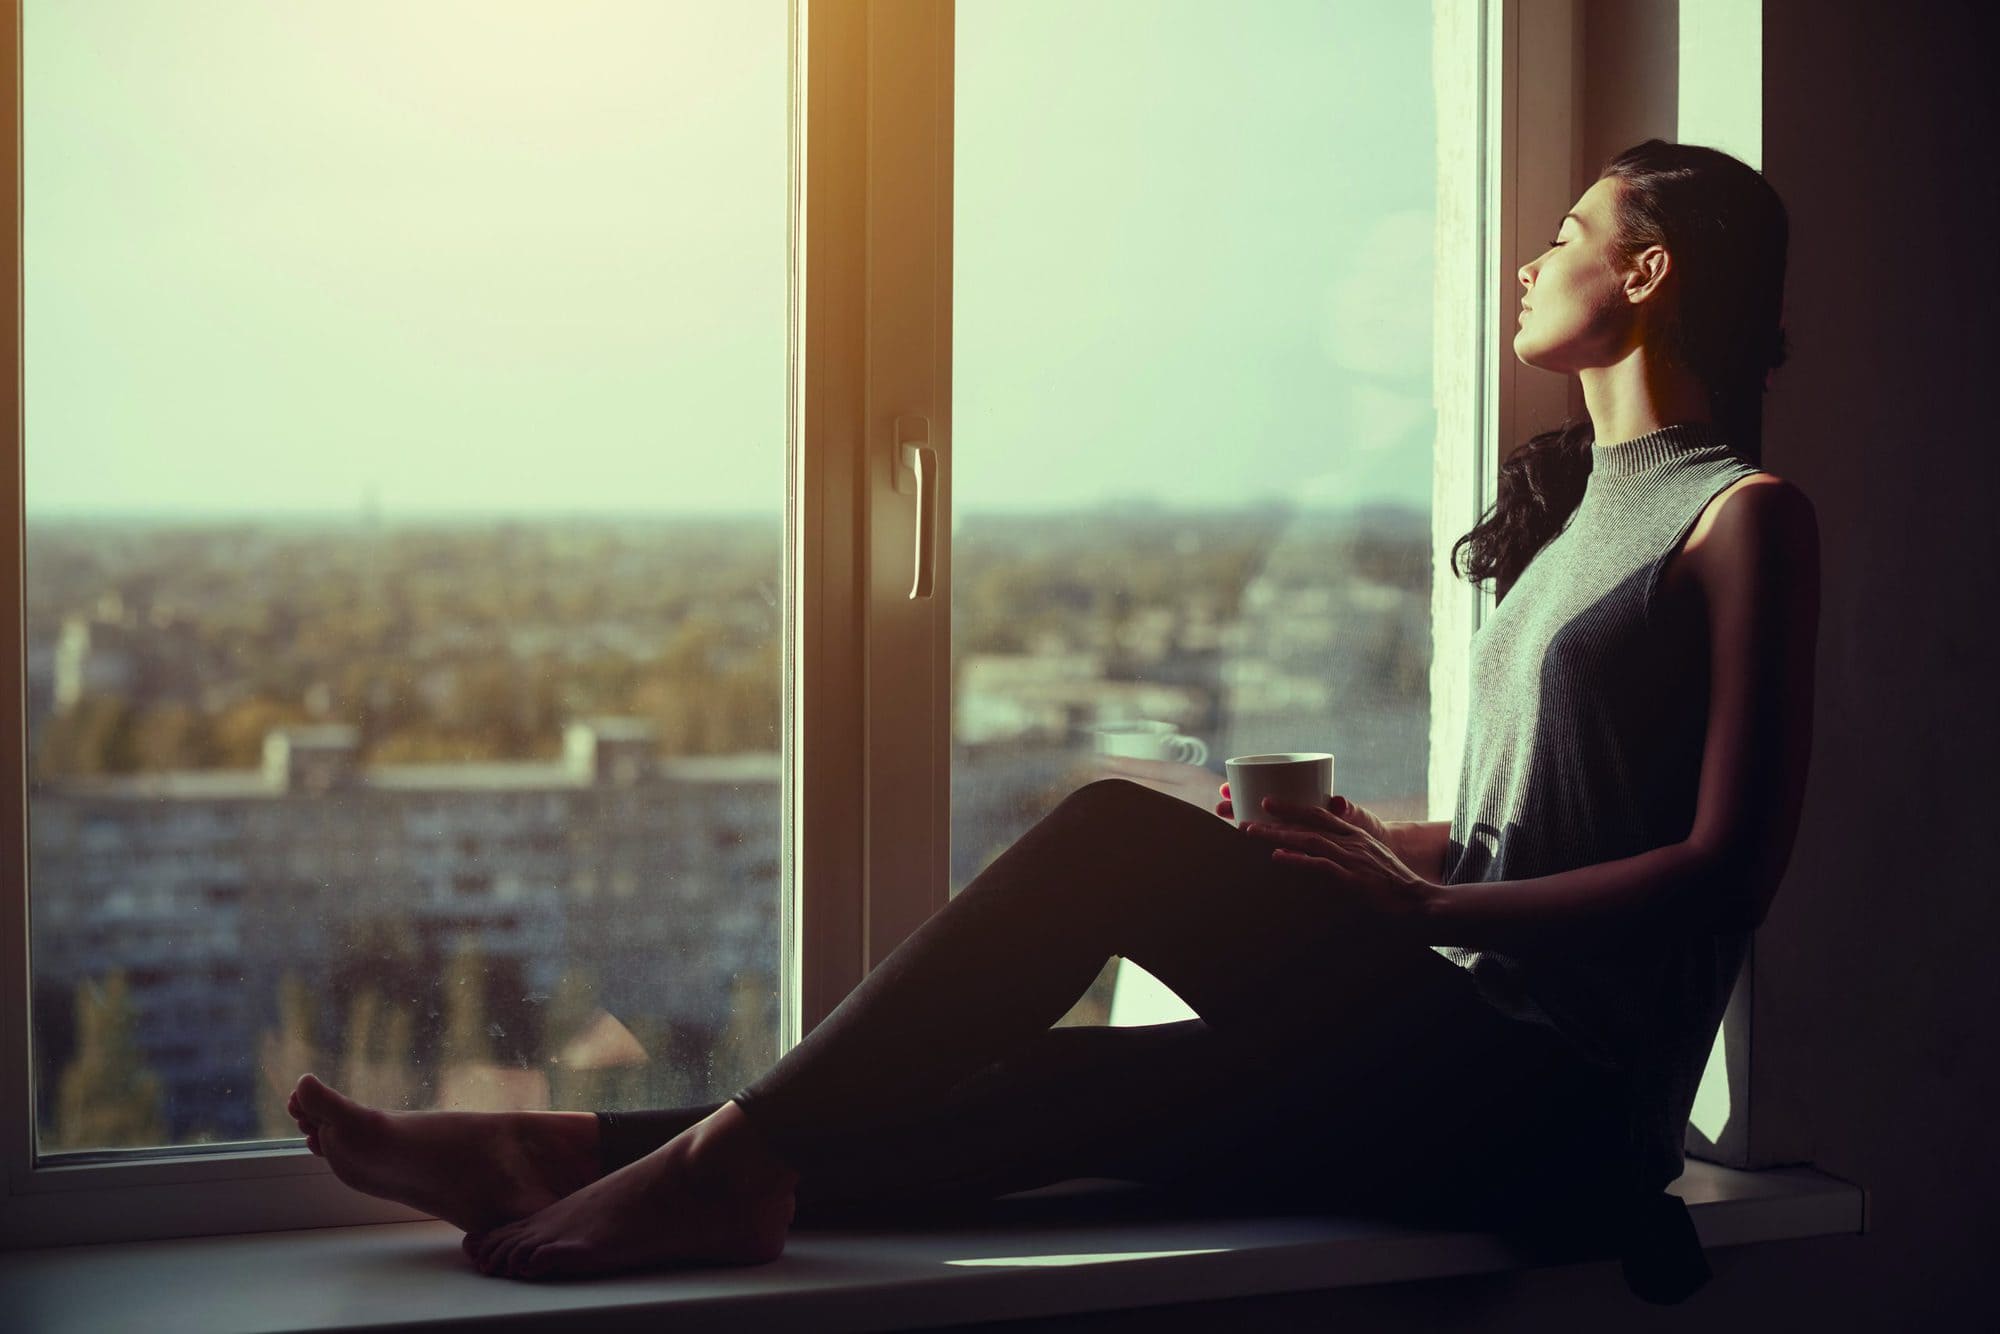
{"x": 486, "y": 813}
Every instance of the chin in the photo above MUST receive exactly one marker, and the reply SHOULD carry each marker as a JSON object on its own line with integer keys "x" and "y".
{"x": 1530, "y": 353}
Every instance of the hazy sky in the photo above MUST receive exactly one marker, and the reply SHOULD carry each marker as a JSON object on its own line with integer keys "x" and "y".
{"x": 525, "y": 256}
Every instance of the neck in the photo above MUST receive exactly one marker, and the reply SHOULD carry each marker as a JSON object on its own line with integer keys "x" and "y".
{"x": 1640, "y": 393}
{"x": 1643, "y": 453}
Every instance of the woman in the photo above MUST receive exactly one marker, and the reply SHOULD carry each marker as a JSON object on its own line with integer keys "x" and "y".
{"x": 1430, "y": 1017}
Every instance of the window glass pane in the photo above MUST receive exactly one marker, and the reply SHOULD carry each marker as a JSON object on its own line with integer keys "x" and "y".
{"x": 405, "y": 468}
{"x": 1193, "y": 424}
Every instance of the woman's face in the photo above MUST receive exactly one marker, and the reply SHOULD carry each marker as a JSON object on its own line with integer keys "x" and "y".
{"x": 1578, "y": 308}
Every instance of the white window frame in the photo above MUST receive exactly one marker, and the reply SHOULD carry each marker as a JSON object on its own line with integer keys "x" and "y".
{"x": 866, "y": 671}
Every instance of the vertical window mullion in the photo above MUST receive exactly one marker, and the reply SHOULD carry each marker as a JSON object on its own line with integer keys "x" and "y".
{"x": 16, "y": 1121}
{"x": 870, "y": 805}
{"x": 907, "y": 395}
{"x": 1465, "y": 340}
{"x": 826, "y": 796}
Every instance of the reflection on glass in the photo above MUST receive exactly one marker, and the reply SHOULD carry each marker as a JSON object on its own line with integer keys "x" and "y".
{"x": 403, "y": 658}
{"x": 1193, "y": 425}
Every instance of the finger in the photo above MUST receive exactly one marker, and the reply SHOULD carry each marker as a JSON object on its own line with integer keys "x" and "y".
{"x": 1286, "y": 836}
{"x": 1319, "y": 867}
{"x": 1290, "y": 807}
{"x": 1299, "y": 811}
{"x": 1293, "y": 857}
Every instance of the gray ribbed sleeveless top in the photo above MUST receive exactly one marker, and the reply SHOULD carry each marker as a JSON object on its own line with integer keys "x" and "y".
{"x": 1584, "y": 745}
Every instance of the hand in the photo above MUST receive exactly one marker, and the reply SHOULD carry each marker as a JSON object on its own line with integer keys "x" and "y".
{"x": 1359, "y": 816}
{"x": 1351, "y": 859}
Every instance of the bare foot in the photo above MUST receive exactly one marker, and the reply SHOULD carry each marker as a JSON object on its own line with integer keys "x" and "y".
{"x": 475, "y": 1170}
{"x": 712, "y": 1195}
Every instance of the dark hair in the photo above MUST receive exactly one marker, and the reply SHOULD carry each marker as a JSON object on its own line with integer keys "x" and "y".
{"x": 1726, "y": 230}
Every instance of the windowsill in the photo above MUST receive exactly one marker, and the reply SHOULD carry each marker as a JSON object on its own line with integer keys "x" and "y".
{"x": 1037, "y": 1255}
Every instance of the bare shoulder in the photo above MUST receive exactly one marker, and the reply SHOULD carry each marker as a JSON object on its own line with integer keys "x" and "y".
{"x": 1751, "y": 525}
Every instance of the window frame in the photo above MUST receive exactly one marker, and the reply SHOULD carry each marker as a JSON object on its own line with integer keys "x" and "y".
{"x": 866, "y": 665}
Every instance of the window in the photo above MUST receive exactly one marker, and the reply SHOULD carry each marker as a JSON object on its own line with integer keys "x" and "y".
{"x": 373, "y": 405}
{"x": 1194, "y": 421}
{"x": 855, "y": 665}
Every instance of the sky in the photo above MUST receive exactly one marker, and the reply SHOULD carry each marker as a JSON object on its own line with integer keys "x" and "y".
{"x": 511, "y": 256}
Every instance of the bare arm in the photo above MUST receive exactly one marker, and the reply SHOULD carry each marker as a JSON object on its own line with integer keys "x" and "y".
{"x": 1759, "y": 574}
{"x": 1674, "y": 888}
{"x": 1421, "y": 845}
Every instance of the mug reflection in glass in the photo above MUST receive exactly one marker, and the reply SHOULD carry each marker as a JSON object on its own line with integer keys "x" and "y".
{"x": 1146, "y": 739}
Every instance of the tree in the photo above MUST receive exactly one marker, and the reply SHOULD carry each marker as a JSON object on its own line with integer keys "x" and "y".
{"x": 376, "y": 1066}
{"x": 285, "y": 1053}
{"x": 107, "y": 1098}
{"x": 93, "y": 737}
{"x": 377, "y": 955}
{"x": 171, "y": 736}
{"x": 238, "y": 735}
{"x": 748, "y": 1042}
{"x": 572, "y": 1088}
{"x": 466, "y": 1041}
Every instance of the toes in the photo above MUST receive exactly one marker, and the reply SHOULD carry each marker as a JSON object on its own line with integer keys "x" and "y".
{"x": 318, "y": 1102}
{"x": 509, "y": 1259}
{"x": 474, "y": 1245}
{"x": 487, "y": 1244}
{"x": 495, "y": 1263}
{"x": 549, "y": 1259}
{"x": 312, "y": 1142}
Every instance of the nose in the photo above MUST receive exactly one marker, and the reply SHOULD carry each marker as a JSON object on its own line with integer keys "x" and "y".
{"x": 1526, "y": 273}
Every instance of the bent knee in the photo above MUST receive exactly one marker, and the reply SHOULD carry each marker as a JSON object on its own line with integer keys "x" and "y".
{"x": 1104, "y": 793}
{"x": 1116, "y": 799}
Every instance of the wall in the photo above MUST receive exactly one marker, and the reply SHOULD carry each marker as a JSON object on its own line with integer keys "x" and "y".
{"x": 1875, "y": 1000}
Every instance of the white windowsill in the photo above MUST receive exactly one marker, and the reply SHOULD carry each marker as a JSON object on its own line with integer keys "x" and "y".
{"x": 413, "y": 1274}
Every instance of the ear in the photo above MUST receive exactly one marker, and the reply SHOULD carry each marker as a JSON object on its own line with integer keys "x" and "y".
{"x": 1649, "y": 271}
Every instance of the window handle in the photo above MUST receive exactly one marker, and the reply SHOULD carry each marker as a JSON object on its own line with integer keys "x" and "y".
{"x": 916, "y": 474}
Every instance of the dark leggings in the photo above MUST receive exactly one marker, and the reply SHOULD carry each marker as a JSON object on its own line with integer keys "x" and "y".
{"x": 1329, "y": 1064}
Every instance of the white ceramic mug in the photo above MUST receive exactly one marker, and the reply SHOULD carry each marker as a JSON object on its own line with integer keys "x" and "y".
{"x": 1301, "y": 776}
{"x": 1149, "y": 740}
